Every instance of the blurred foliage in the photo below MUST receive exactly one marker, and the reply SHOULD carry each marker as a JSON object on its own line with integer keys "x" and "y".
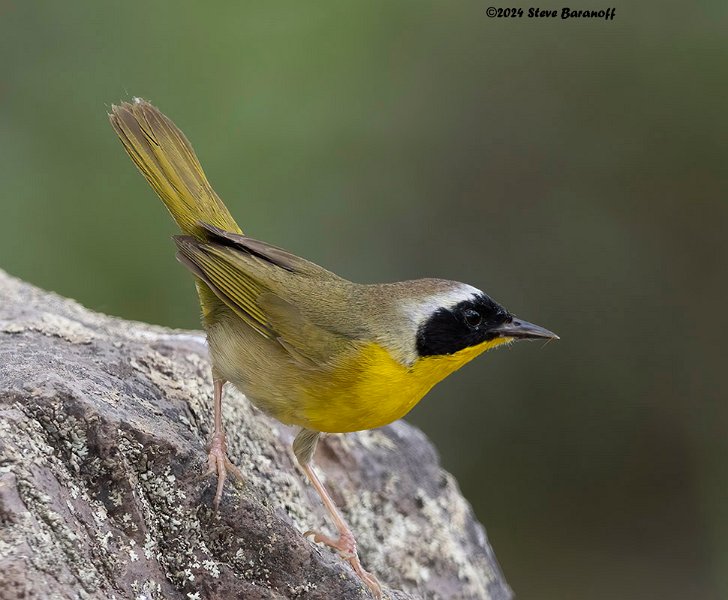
{"x": 576, "y": 170}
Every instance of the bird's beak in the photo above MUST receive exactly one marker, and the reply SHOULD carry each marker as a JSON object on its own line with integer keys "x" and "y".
{"x": 518, "y": 328}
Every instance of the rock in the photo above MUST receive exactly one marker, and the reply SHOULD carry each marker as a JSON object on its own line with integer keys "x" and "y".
{"x": 103, "y": 424}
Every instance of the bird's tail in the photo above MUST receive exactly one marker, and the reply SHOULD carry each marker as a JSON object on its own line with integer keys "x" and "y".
{"x": 165, "y": 157}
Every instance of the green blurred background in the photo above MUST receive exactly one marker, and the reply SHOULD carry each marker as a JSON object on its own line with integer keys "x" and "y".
{"x": 576, "y": 170}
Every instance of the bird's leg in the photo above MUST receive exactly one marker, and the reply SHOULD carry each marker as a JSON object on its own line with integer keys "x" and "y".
{"x": 303, "y": 447}
{"x": 217, "y": 458}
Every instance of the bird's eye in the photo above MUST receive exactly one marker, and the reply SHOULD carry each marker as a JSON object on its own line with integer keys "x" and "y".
{"x": 472, "y": 317}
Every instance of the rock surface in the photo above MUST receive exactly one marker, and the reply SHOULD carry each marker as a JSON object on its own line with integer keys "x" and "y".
{"x": 103, "y": 424}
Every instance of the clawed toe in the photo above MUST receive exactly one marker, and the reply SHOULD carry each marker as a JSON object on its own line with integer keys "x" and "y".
{"x": 219, "y": 464}
{"x": 346, "y": 546}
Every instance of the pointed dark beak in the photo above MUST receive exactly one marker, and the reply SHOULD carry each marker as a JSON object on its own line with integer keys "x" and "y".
{"x": 518, "y": 328}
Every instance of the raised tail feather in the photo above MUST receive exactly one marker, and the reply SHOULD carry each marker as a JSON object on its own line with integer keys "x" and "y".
{"x": 165, "y": 157}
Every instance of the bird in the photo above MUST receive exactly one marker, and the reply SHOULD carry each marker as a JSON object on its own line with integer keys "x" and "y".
{"x": 309, "y": 348}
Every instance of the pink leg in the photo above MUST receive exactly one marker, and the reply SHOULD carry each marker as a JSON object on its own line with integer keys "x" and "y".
{"x": 217, "y": 459}
{"x": 346, "y": 544}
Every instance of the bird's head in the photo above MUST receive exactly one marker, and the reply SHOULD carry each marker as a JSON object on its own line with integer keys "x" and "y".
{"x": 454, "y": 322}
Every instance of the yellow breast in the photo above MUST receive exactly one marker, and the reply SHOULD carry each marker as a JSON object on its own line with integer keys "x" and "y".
{"x": 373, "y": 389}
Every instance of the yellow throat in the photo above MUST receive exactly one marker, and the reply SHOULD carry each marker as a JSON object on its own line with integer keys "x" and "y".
{"x": 375, "y": 389}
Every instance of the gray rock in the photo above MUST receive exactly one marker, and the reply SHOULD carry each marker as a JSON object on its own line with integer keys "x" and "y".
{"x": 103, "y": 424}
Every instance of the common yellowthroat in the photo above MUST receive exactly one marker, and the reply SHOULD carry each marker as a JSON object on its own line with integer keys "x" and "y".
{"x": 304, "y": 345}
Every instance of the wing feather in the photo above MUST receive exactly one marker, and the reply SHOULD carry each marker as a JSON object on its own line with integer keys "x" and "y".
{"x": 267, "y": 252}
{"x": 236, "y": 290}
{"x": 254, "y": 279}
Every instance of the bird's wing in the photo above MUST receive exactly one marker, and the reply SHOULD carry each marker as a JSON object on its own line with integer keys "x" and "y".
{"x": 253, "y": 284}
{"x": 216, "y": 266}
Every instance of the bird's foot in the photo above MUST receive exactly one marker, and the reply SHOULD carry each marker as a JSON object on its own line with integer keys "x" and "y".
{"x": 346, "y": 546}
{"x": 218, "y": 463}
